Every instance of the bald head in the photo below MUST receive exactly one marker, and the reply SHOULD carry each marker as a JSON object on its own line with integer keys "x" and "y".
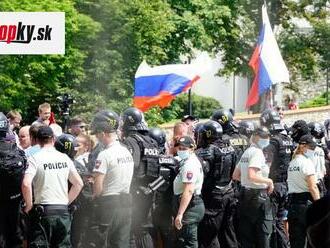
{"x": 24, "y": 137}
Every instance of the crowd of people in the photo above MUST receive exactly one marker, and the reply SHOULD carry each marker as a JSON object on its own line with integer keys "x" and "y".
{"x": 115, "y": 182}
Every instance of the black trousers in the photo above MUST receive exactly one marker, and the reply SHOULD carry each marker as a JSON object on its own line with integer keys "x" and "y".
{"x": 142, "y": 228}
{"x": 217, "y": 227}
{"x": 10, "y": 231}
{"x": 162, "y": 219}
{"x": 79, "y": 226}
{"x": 255, "y": 218}
{"x": 279, "y": 197}
{"x": 298, "y": 206}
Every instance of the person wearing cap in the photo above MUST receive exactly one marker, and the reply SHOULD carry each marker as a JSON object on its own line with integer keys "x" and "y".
{"x": 113, "y": 173}
{"x": 255, "y": 210}
{"x": 188, "y": 206}
{"x": 303, "y": 189}
{"x": 50, "y": 171}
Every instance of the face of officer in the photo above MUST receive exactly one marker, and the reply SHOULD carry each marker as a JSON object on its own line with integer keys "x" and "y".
{"x": 261, "y": 142}
{"x": 305, "y": 149}
{"x": 24, "y": 137}
{"x": 184, "y": 152}
{"x": 44, "y": 113}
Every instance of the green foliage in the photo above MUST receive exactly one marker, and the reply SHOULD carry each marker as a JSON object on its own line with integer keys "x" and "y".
{"x": 306, "y": 50}
{"x": 203, "y": 108}
{"x": 106, "y": 40}
{"x": 318, "y": 101}
{"x": 27, "y": 80}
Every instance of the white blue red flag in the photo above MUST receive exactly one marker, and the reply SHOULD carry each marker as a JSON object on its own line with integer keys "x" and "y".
{"x": 266, "y": 62}
{"x": 158, "y": 86}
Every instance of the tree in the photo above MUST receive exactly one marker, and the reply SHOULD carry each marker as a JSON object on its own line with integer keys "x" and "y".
{"x": 28, "y": 80}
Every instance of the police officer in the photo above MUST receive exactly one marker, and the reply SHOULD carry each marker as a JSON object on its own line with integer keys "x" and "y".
{"x": 246, "y": 128}
{"x": 278, "y": 155}
{"x": 162, "y": 204}
{"x": 299, "y": 129}
{"x": 198, "y": 135}
{"x": 98, "y": 118}
{"x": 255, "y": 210}
{"x": 302, "y": 190}
{"x": 217, "y": 227}
{"x": 67, "y": 144}
{"x": 188, "y": 206}
{"x": 230, "y": 131}
{"x": 12, "y": 167}
{"x": 145, "y": 152}
{"x": 319, "y": 158}
{"x": 159, "y": 136}
{"x": 113, "y": 174}
{"x": 50, "y": 171}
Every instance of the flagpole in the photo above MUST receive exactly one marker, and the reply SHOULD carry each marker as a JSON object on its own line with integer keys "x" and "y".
{"x": 189, "y": 94}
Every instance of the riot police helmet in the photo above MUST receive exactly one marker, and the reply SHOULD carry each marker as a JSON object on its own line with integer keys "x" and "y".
{"x": 66, "y": 143}
{"x": 272, "y": 120}
{"x": 212, "y": 130}
{"x": 133, "y": 120}
{"x": 262, "y": 132}
{"x": 159, "y": 135}
{"x": 316, "y": 129}
{"x": 298, "y": 129}
{"x": 4, "y": 125}
{"x": 224, "y": 118}
{"x": 198, "y": 134}
{"x": 327, "y": 125}
{"x": 246, "y": 128}
{"x": 105, "y": 121}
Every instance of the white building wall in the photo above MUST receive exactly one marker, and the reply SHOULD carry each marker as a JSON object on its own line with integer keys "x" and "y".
{"x": 222, "y": 88}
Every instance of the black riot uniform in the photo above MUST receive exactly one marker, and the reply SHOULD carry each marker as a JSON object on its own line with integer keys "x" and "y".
{"x": 219, "y": 160}
{"x": 163, "y": 193}
{"x": 278, "y": 154}
{"x": 230, "y": 131}
{"x": 80, "y": 208}
{"x": 12, "y": 166}
{"x": 145, "y": 152}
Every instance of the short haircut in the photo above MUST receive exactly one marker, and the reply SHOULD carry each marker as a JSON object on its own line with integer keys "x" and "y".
{"x": 45, "y": 105}
{"x": 12, "y": 114}
{"x": 75, "y": 121}
{"x": 33, "y": 130}
{"x": 180, "y": 128}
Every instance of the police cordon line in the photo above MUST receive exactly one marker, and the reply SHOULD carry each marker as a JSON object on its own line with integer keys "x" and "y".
{"x": 219, "y": 183}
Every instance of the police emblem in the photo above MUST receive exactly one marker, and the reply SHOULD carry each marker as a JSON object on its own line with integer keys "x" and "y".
{"x": 189, "y": 175}
{"x": 97, "y": 164}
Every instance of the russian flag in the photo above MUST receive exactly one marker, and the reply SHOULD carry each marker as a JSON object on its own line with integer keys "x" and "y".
{"x": 158, "y": 86}
{"x": 266, "y": 62}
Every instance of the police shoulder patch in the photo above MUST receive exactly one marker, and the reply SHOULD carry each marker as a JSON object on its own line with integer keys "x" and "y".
{"x": 189, "y": 175}
{"x": 97, "y": 164}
